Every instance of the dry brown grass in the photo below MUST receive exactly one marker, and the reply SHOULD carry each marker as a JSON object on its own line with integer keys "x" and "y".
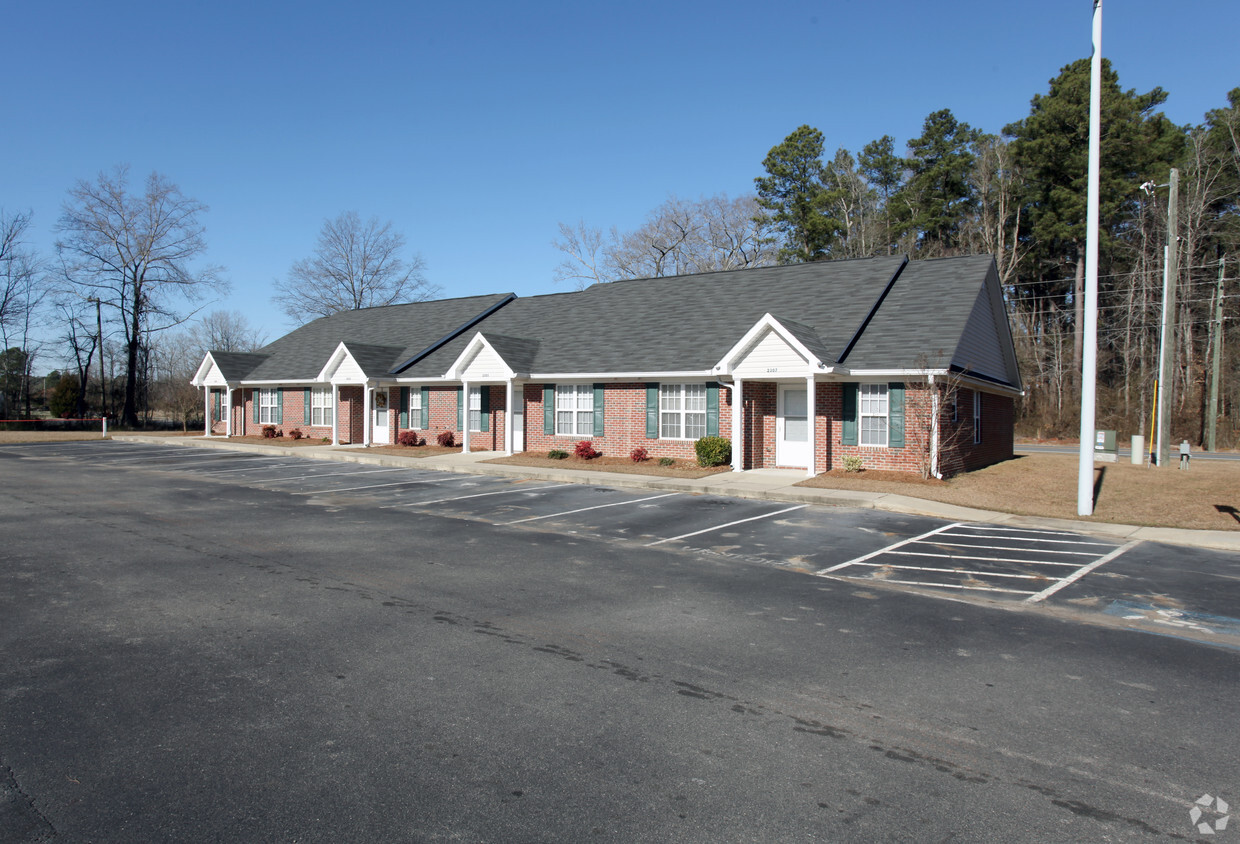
{"x": 7, "y": 437}
{"x": 619, "y": 465}
{"x": 1205, "y": 497}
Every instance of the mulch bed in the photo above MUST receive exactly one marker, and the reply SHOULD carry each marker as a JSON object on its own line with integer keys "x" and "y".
{"x": 621, "y": 465}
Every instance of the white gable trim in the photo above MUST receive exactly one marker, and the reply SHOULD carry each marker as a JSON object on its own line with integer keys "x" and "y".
{"x": 207, "y": 373}
{"x": 341, "y": 368}
{"x": 735, "y": 355}
{"x": 475, "y": 347}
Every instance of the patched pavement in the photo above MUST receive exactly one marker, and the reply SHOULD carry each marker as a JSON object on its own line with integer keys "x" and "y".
{"x": 1182, "y": 591}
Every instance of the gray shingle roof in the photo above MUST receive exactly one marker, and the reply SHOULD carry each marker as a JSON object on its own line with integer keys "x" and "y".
{"x": 400, "y": 331}
{"x": 235, "y": 366}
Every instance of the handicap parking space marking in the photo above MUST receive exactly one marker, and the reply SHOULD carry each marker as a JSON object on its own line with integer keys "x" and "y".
{"x": 585, "y": 509}
{"x": 989, "y": 553}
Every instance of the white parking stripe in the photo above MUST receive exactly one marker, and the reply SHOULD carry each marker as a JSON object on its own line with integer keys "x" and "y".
{"x": 1081, "y": 572}
{"x": 1028, "y": 539}
{"x": 1006, "y": 529}
{"x": 330, "y": 474}
{"x": 217, "y": 460}
{"x": 889, "y": 548}
{"x": 959, "y": 586}
{"x": 728, "y": 525}
{"x": 596, "y": 507}
{"x": 987, "y": 559}
{"x": 476, "y": 495}
{"x": 370, "y": 486}
{"x": 967, "y": 547}
{"x": 955, "y": 571}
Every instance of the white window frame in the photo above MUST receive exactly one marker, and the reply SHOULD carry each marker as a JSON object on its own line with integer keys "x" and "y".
{"x": 977, "y": 418}
{"x": 874, "y": 403}
{"x": 675, "y": 415}
{"x": 577, "y": 400}
{"x": 475, "y": 409}
{"x": 321, "y": 407}
{"x": 268, "y": 403}
{"x": 415, "y": 408}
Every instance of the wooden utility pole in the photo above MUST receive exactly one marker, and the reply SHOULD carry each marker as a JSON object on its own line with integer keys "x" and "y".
{"x": 1168, "y": 318}
{"x": 1216, "y": 352}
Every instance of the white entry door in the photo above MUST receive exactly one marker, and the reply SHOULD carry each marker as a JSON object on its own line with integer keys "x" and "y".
{"x": 518, "y": 430}
{"x": 792, "y": 428}
{"x": 379, "y": 434}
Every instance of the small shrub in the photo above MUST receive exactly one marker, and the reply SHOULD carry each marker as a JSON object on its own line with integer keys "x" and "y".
{"x": 269, "y": 432}
{"x": 585, "y": 450}
{"x": 639, "y": 455}
{"x": 409, "y": 438}
{"x": 326, "y": 440}
{"x": 713, "y": 451}
{"x": 557, "y": 454}
{"x": 447, "y": 439}
{"x": 296, "y": 434}
{"x": 667, "y": 461}
{"x": 853, "y": 464}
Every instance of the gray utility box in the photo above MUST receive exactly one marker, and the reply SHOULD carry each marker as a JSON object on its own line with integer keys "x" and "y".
{"x": 1105, "y": 448}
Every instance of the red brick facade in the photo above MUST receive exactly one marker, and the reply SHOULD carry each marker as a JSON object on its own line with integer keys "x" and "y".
{"x": 624, "y": 427}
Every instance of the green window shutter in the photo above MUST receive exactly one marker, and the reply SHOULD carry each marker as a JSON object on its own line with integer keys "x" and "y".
{"x": 895, "y": 415}
{"x": 712, "y": 410}
{"x": 426, "y": 408}
{"x": 484, "y": 408}
{"x": 215, "y": 405}
{"x": 460, "y": 408}
{"x": 280, "y": 406}
{"x": 549, "y": 409}
{"x": 404, "y": 407}
{"x": 598, "y": 410}
{"x": 255, "y": 396}
{"x": 848, "y": 420}
{"x": 305, "y": 406}
{"x": 652, "y": 411}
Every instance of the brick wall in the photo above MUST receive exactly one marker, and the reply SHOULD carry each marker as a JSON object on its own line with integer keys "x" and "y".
{"x": 624, "y": 427}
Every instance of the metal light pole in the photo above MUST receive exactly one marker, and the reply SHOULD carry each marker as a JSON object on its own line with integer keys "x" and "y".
{"x": 1167, "y": 339}
{"x": 1089, "y": 355}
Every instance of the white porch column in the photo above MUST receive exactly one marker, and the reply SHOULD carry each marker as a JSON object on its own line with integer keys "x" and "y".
{"x": 206, "y": 425}
{"x": 934, "y": 427}
{"x": 811, "y": 408}
{"x": 508, "y": 400}
{"x": 226, "y": 404}
{"x": 465, "y": 417}
{"x": 335, "y": 413}
{"x": 366, "y": 424}
{"x": 738, "y": 426}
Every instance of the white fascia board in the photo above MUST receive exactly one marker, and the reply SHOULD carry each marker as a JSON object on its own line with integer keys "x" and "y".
{"x": 286, "y": 382}
{"x": 471, "y": 350}
{"x": 203, "y": 370}
{"x": 705, "y": 374}
{"x": 767, "y": 323}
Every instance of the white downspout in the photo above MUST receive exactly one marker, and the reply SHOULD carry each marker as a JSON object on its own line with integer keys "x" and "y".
{"x": 206, "y": 425}
{"x": 366, "y": 423}
{"x": 508, "y": 416}
{"x": 738, "y": 424}
{"x": 227, "y": 405}
{"x": 811, "y": 411}
{"x": 335, "y": 413}
{"x": 934, "y": 429}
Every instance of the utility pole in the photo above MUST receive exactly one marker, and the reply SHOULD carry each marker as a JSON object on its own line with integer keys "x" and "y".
{"x": 103, "y": 394}
{"x": 1168, "y": 317}
{"x": 1216, "y": 352}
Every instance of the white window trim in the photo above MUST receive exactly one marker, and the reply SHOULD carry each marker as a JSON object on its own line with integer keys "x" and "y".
{"x": 415, "y": 408}
{"x": 267, "y": 405}
{"x": 475, "y": 406}
{"x": 580, "y": 414}
{"x": 885, "y": 416}
{"x": 683, "y": 412}
{"x": 321, "y": 407}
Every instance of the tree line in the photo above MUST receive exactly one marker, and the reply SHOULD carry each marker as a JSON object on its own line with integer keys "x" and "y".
{"x": 1019, "y": 195}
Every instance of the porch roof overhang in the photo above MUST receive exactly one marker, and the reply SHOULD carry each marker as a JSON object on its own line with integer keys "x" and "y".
{"x": 799, "y": 338}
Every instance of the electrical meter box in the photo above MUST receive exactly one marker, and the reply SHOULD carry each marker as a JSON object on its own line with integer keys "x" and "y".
{"x": 1105, "y": 448}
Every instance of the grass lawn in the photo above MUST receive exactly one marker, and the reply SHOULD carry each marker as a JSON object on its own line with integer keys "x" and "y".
{"x": 1205, "y": 497}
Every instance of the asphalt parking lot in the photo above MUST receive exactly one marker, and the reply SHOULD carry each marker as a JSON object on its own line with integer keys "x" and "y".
{"x": 1179, "y": 590}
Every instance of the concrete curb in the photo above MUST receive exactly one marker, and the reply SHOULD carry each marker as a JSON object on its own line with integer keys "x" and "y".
{"x": 771, "y": 485}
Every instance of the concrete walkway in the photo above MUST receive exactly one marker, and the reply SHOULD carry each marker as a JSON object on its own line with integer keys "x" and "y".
{"x": 770, "y": 484}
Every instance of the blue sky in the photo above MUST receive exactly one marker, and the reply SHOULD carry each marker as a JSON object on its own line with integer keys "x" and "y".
{"x": 476, "y": 128}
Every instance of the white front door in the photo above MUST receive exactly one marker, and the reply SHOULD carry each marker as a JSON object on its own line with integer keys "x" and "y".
{"x": 518, "y": 430}
{"x": 792, "y": 428}
{"x": 379, "y": 434}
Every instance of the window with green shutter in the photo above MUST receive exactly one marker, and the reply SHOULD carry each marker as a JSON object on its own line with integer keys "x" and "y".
{"x": 848, "y": 418}
{"x": 895, "y": 415}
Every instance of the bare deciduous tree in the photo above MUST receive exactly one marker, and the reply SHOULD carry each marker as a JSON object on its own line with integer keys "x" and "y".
{"x": 135, "y": 252}
{"x": 355, "y": 265}
{"x": 224, "y": 331}
{"x": 21, "y": 292}
{"x": 678, "y": 238}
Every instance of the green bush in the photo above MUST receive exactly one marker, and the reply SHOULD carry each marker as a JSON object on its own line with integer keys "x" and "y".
{"x": 853, "y": 464}
{"x": 667, "y": 461}
{"x": 713, "y": 451}
{"x": 557, "y": 454}
{"x": 63, "y": 401}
